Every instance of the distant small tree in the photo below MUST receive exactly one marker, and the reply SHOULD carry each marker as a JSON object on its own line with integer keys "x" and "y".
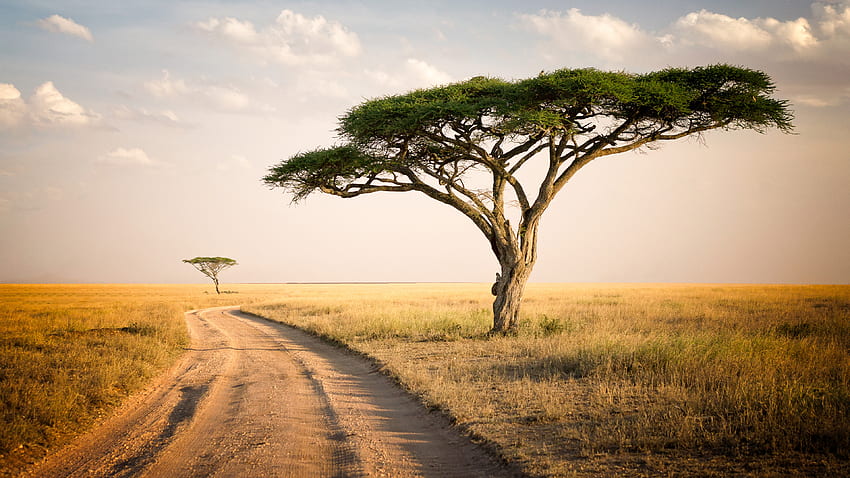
{"x": 464, "y": 144}
{"x": 211, "y": 266}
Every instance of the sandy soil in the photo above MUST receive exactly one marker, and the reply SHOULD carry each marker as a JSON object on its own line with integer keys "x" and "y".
{"x": 253, "y": 398}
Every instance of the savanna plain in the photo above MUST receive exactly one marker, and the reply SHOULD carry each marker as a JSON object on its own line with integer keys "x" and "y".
{"x": 616, "y": 380}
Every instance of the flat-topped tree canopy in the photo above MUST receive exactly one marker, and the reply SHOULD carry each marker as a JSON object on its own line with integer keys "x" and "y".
{"x": 211, "y": 266}
{"x": 437, "y": 140}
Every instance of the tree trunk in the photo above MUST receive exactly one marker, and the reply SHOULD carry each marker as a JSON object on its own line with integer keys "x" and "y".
{"x": 516, "y": 258}
{"x": 509, "y": 291}
{"x": 215, "y": 281}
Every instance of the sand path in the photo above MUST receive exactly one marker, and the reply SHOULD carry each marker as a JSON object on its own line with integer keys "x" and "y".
{"x": 253, "y": 398}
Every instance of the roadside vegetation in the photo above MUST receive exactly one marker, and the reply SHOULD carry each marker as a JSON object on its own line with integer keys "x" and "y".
{"x": 69, "y": 354}
{"x": 615, "y": 379}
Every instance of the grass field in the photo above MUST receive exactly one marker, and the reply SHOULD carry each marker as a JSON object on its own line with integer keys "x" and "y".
{"x": 616, "y": 379}
{"x": 631, "y": 380}
{"x": 70, "y": 353}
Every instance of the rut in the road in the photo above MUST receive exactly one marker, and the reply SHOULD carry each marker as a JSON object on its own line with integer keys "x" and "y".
{"x": 255, "y": 398}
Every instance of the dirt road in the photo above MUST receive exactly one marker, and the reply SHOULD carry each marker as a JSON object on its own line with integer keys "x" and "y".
{"x": 252, "y": 398}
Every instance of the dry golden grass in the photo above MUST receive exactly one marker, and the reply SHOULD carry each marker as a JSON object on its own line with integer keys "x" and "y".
{"x": 600, "y": 379}
{"x": 634, "y": 380}
{"x": 71, "y": 353}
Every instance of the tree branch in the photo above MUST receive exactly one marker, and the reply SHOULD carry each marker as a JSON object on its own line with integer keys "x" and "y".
{"x": 455, "y": 184}
{"x": 478, "y": 217}
{"x": 598, "y": 152}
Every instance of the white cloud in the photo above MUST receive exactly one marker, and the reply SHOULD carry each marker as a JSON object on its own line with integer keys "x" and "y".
{"x": 293, "y": 38}
{"x": 809, "y": 57}
{"x": 47, "y": 106}
{"x": 226, "y": 98}
{"x": 413, "y": 73}
{"x": 165, "y": 86}
{"x": 166, "y": 117}
{"x": 221, "y": 97}
{"x": 13, "y": 109}
{"x": 604, "y": 35}
{"x": 610, "y": 38}
{"x": 428, "y": 73}
{"x": 724, "y": 32}
{"x": 721, "y": 31}
{"x": 57, "y": 24}
{"x": 795, "y": 33}
{"x": 833, "y": 19}
{"x": 230, "y": 28}
{"x": 9, "y": 92}
{"x": 809, "y": 100}
{"x": 126, "y": 156}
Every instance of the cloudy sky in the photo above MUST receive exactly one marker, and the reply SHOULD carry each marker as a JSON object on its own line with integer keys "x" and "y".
{"x": 134, "y": 134}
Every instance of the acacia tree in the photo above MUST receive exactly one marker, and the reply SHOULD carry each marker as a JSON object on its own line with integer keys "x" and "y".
{"x": 464, "y": 145}
{"x": 211, "y": 266}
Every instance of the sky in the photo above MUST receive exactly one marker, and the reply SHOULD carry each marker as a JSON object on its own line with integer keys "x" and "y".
{"x": 134, "y": 134}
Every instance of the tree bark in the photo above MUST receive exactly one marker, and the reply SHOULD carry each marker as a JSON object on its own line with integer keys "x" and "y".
{"x": 215, "y": 281}
{"x": 516, "y": 258}
{"x": 509, "y": 292}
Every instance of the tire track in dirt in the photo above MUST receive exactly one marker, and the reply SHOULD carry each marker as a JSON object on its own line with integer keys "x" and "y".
{"x": 255, "y": 398}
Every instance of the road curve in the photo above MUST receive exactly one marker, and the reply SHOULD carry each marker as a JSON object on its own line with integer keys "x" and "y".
{"x": 252, "y": 398}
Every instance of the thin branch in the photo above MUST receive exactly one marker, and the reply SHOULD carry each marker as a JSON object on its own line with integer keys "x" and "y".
{"x": 600, "y": 152}
{"x": 348, "y": 193}
{"x": 478, "y": 217}
{"x": 526, "y": 157}
{"x": 458, "y": 186}
{"x": 657, "y": 137}
{"x": 523, "y": 147}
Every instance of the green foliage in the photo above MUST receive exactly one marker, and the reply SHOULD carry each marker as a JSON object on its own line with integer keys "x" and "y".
{"x": 552, "y": 325}
{"x": 211, "y": 261}
{"x": 406, "y": 116}
{"x": 303, "y": 172}
{"x": 211, "y": 266}
{"x": 738, "y": 97}
{"x": 404, "y": 133}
